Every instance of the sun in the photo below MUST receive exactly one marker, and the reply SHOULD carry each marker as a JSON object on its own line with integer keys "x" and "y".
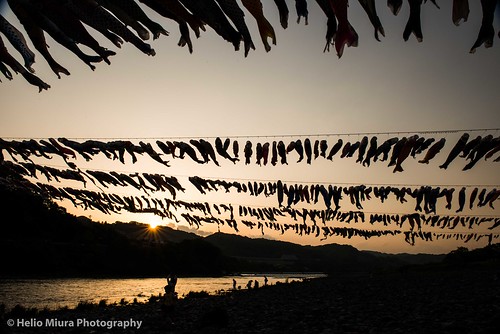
{"x": 153, "y": 225}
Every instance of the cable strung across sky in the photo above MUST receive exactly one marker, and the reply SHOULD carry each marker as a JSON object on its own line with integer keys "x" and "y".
{"x": 298, "y": 135}
{"x": 366, "y": 151}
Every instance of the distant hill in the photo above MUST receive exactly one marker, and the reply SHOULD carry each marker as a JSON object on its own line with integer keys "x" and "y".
{"x": 161, "y": 234}
{"x": 286, "y": 256}
{"x": 405, "y": 258}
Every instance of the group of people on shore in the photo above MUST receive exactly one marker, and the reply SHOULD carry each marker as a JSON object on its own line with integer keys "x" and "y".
{"x": 255, "y": 284}
{"x": 170, "y": 296}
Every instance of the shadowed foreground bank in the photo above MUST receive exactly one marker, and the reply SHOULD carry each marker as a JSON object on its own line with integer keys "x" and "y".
{"x": 423, "y": 299}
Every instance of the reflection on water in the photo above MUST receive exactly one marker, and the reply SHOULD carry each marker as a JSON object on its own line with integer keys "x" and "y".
{"x": 55, "y": 293}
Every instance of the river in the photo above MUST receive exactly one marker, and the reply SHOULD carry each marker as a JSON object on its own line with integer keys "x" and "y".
{"x": 68, "y": 292}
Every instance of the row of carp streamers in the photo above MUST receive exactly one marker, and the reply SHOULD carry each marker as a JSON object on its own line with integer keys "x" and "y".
{"x": 63, "y": 21}
{"x": 266, "y": 216}
{"x": 395, "y": 150}
{"x": 426, "y": 197}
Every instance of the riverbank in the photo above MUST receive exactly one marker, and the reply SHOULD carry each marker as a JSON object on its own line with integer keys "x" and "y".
{"x": 53, "y": 294}
{"x": 444, "y": 300}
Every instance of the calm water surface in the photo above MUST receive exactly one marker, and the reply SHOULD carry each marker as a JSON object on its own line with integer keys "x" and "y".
{"x": 55, "y": 293}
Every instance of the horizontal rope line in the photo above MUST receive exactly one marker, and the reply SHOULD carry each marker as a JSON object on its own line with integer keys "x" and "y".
{"x": 274, "y": 136}
{"x": 478, "y": 233}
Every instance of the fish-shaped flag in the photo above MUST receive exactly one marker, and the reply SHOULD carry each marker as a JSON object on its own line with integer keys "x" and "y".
{"x": 354, "y": 147}
{"x": 258, "y": 153}
{"x": 371, "y": 10}
{"x": 395, "y": 6}
{"x": 152, "y": 153}
{"x": 210, "y": 13}
{"x": 316, "y": 149}
{"x": 472, "y": 198}
{"x": 283, "y": 12}
{"x": 93, "y": 14}
{"x": 425, "y": 145}
{"x": 222, "y": 150}
{"x": 248, "y": 152}
{"x": 414, "y": 25}
{"x": 470, "y": 146}
{"x": 362, "y": 149}
{"x": 460, "y": 11}
{"x": 448, "y": 193}
{"x": 266, "y": 30}
{"x": 210, "y": 150}
{"x": 125, "y": 17}
{"x": 274, "y": 155}
{"x": 372, "y": 150}
{"x": 335, "y": 149}
{"x": 418, "y": 144}
{"x": 331, "y": 23}
{"x": 346, "y": 149}
{"x": 53, "y": 30}
{"x": 6, "y": 58}
{"x": 487, "y": 31}
{"x": 18, "y": 41}
{"x": 404, "y": 153}
{"x": 201, "y": 148}
{"x": 236, "y": 148}
{"x": 35, "y": 33}
{"x": 396, "y": 150}
{"x": 480, "y": 151}
{"x": 5, "y": 71}
{"x": 492, "y": 197}
{"x": 299, "y": 148}
{"x": 495, "y": 148}
{"x": 346, "y": 35}
{"x": 67, "y": 21}
{"x": 174, "y": 10}
{"x": 461, "y": 199}
{"x": 237, "y": 16}
{"x": 308, "y": 149}
{"x": 433, "y": 150}
{"x": 488, "y": 197}
{"x": 62, "y": 149}
{"x": 323, "y": 146}
{"x": 301, "y": 8}
{"x": 456, "y": 150}
{"x": 185, "y": 148}
{"x": 134, "y": 16}
{"x": 265, "y": 153}
{"x": 282, "y": 152}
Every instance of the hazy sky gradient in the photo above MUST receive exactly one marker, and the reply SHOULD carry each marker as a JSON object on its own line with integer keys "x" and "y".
{"x": 294, "y": 89}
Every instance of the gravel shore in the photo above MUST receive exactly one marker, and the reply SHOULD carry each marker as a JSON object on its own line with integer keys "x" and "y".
{"x": 459, "y": 300}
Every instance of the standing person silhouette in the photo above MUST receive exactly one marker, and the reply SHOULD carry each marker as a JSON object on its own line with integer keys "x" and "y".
{"x": 172, "y": 282}
{"x": 170, "y": 297}
{"x": 234, "y": 284}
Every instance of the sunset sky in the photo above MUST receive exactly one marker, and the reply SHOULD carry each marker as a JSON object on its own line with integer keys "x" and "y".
{"x": 295, "y": 89}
